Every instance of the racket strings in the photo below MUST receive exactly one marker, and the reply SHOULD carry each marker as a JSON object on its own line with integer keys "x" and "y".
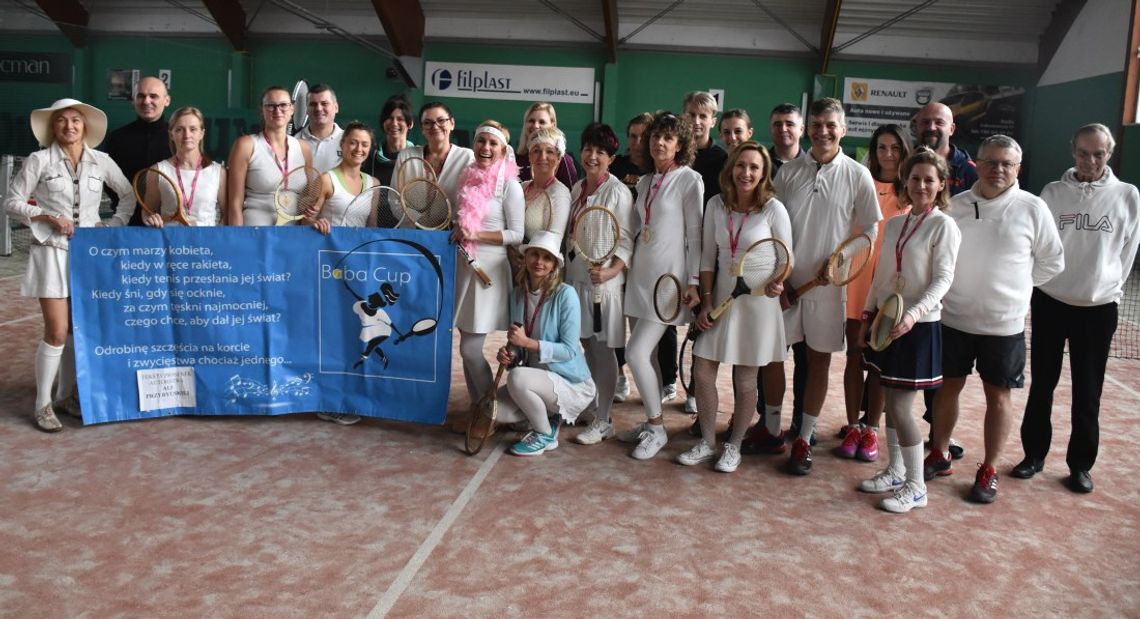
{"x": 163, "y": 197}
{"x": 667, "y": 299}
{"x": 426, "y": 204}
{"x": 302, "y": 192}
{"x": 596, "y": 235}
{"x": 849, "y": 259}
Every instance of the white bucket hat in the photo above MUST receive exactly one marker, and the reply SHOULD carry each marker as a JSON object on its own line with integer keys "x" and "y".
{"x": 93, "y": 119}
{"x": 546, "y": 241}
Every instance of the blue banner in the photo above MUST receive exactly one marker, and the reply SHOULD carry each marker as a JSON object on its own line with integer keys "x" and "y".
{"x": 262, "y": 321}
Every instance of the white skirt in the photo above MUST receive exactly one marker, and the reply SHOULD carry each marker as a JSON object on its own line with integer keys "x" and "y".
{"x": 750, "y": 332}
{"x": 481, "y": 309}
{"x": 613, "y": 320}
{"x": 573, "y": 398}
{"x": 48, "y": 274}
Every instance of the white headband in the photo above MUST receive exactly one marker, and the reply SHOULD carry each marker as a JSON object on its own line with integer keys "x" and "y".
{"x": 493, "y": 131}
{"x": 553, "y": 138}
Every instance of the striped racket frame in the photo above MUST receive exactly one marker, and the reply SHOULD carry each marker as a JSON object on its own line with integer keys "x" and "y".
{"x": 163, "y": 187}
{"x": 303, "y": 191}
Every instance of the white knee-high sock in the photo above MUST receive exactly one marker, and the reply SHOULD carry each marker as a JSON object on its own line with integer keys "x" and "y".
{"x": 894, "y": 452}
{"x": 48, "y": 358}
{"x": 807, "y": 426}
{"x": 912, "y": 458}
{"x": 66, "y": 385}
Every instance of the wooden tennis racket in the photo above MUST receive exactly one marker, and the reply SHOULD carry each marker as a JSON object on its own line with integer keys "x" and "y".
{"x": 481, "y": 421}
{"x": 425, "y": 204}
{"x": 153, "y": 190}
{"x": 414, "y": 168}
{"x": 667, "y": 298}
{"x": 888, "y": 316}
{"x": 765, "y": 262}
{"x": 596, "y": 234}
{"x": 297, "y": 191}
{"x": 378, "y": 206}
{"x": 845, "y": 264}
{"x": 537, "y": 216}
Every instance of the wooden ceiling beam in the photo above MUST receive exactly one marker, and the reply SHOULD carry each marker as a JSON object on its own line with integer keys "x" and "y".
{"x": 403, "y": 23}
{"x": 70, "y": 17}
{"x": 230, "y": 19}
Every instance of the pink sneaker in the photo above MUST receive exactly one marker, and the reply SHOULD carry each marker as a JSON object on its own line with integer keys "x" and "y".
{"x": 868, "y": 446}
{"x": 850, "y": 443}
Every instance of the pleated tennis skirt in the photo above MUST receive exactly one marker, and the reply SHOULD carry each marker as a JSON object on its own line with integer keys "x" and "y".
{"x": 913, "y": 362}
{"x": 48, "y": 274}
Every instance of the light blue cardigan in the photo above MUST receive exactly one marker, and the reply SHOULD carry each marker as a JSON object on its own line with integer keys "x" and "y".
{"x": 559, "y": 327}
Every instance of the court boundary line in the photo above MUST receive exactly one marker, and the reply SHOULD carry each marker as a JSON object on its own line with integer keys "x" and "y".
{"x": 1114, "y": 381}
{"x": 386, "y": 602}
{"x": 19, "y": 320}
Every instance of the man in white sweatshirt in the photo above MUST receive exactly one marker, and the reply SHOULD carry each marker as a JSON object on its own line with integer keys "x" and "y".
{"x": 1099, "y": 221}
{"x": 828, "y": 196}
{"x": 1009, "y": 245}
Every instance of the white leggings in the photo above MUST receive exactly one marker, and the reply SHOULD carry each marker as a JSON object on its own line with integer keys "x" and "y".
{"x": 899, "y": 416}
{"x": 603, "y": 366}
{"x": 744, "y": 388}
{"x": 528, "y": 395}
{"x": 476, "y": 370}
{"x": 643, "y": 363}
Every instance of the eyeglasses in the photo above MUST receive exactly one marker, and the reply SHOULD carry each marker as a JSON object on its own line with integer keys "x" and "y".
{"x": 432, "y": 124}
{"x": 1004, "y": 165}
{"x": 277, "y": 107}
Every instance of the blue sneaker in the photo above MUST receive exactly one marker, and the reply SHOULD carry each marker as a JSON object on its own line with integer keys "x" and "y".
{"x": 535, "y": 443}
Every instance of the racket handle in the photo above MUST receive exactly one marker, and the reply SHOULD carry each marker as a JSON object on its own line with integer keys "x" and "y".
{"x": 597, "y": 316}
{"x": 802, "y": 290}
{"x": 482, "y": 275}
{"x": 720, "y": 309}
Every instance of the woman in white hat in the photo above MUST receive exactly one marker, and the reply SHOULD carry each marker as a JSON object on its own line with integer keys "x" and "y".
{"x": 551, "y": 382}
{"x": 258, "y": 162}
{"x": 201, "y": 182}
{"x": 66, "y": 181}
{"x": 489, "y": 218}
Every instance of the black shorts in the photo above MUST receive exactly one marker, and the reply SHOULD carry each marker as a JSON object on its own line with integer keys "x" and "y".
{"x": 1000, "y": 358}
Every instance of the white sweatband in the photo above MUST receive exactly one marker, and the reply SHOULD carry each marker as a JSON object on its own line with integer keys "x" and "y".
{"x": 492, "y": 131}
{"x": 549, "y": 138}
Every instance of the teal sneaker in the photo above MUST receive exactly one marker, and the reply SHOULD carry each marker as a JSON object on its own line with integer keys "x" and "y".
{"x": 535, "y": 443}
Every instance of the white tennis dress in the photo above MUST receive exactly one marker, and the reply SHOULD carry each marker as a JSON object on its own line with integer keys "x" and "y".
{"x": 262, "y": 177}
{"x": 204, "y": 207}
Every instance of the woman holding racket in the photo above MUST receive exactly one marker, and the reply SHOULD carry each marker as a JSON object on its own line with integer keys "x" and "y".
{"x": 66, "y": 181}
{"x": 258, "y": 163}
{"x": 749, "y": 335}
{"x": 601, "y": 189}
{"x": 489, "y": 218}
{"x": 920, "y": 250}
{"x": 550, "y": 383}
{"x": 889, "y": 148}
{"x": 340, "y": 185}
{"x": 444, "y": 161}
{"x": 547, "y": 200}
{"x": 540, "y": 115}
{"x": 668, "y": 208}
{"x": 200, "y": 181}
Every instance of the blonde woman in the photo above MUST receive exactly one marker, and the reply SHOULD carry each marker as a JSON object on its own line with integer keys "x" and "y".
{"x": 540, "y": 115}
{"x": 201, "y": 182}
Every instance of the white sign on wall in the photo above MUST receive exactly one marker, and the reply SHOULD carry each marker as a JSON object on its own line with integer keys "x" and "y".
{"x": 509, "y": 82}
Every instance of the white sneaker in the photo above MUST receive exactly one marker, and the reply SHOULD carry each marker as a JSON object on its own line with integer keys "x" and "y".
{"x": 597, "y": 432}
{"x": 885, "y": 480}
{"x": 622, "y": 390}
{"x": 701, "y": 452}
{"x": 344, "y": 419}
{"x": 691, "y": 405}
{"x": 906, "y": 498}
{"x": 651, "y": 442}
{"x": 729, "y": 459}
{"x": 669, "y": 393}
{"x": 633, "y": 435}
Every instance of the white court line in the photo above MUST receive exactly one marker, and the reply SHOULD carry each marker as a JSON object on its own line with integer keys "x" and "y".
{"x": 19, "y": 320}
{"x": 412, "y": 567}
{"x": 1112, "y": 380}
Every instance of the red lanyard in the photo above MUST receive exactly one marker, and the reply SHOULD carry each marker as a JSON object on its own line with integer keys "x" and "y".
{"x": 734, "y": 241}
{"x": 904, "y": 238}
{"x": 187, "y": 202}
{"x": 282, "y": 164}
{"x": 653, "y": 191}
{"x": 442, "y": 162}
{"x": 529, "y": 187}
{"x": 528, "y": 324}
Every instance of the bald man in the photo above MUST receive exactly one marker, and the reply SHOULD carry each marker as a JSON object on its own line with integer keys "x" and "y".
{"x": 144, "y": 141}
{"x": 933, "y": 126}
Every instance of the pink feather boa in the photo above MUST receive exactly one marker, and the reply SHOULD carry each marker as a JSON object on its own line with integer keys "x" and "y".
{"x": 477, "y": 189}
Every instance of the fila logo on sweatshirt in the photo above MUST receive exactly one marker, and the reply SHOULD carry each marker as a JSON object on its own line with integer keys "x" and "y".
{"x": 1082, "y": 221}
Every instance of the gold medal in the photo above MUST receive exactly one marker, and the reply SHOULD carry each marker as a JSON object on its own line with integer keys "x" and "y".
{"x": 645, "y": 236}
{"x": 899, "y": 283}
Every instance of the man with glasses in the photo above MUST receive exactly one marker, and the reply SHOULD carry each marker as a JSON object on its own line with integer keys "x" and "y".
{"x": 1099, "y": 221}
{"x": 1009, "y": 245}
{"x": 144, "y": 141}
{"x": 323, "y": 134}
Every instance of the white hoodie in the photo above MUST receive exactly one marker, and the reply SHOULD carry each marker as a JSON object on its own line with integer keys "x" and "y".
{"x": 1098, "y": 225}
{"x": 1009, "y": 245}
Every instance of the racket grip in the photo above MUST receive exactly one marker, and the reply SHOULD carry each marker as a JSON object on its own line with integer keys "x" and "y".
{"x": 482, "y": 275}
{"x": 597, "y": 316}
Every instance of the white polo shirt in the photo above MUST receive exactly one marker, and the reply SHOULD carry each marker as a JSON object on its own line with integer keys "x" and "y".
{"x": 326, "y": 152}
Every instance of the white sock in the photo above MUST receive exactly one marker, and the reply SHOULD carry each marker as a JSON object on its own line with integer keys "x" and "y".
{"x": 47, "y": 366}
{"x": 894, "y": 452}
{"x": 807, "y": 426}
{"x": 912, "y": 458}
{"x": 772, "y": 419}
{"x": 658, "y": 429}
{"x": 66, "y": 385}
